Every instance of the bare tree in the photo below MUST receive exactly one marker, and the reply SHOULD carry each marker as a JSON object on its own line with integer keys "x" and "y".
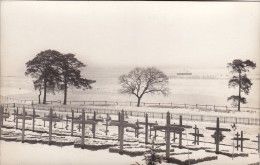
{"x": 141, "y": 81}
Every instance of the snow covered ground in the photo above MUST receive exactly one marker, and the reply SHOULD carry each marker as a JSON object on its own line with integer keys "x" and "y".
{"x": 70, "y": 155}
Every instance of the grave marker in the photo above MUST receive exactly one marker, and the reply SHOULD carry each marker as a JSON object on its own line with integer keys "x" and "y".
{"x": 258, "y": 142}
{"x": 83, "y": 121}
{"x": 51, "y": 119}
{"x": 146, "y": 123}
{"x": 24, "y": 117}
{"x": 122, "y": 124}
{"x": 33, "y": 118}
{"x": 168, "y": 128}
{"x": 196, "y": 135}
{"x": 180, "y": 133}
{"x": 72, "y": 118}
{"x": 218, "y": 131}
{"x": 241, "y": 139}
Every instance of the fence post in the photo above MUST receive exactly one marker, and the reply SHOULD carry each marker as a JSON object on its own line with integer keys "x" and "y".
{"x": 201, "y": 118}
{"x": 226, "y": 108}
{"x": 206, "y": 107}
{"x": 214, "y": 107}
{"x": 14, "y": 104}
{"x": 162, "y": 115}
{"x": 171, "y": 104}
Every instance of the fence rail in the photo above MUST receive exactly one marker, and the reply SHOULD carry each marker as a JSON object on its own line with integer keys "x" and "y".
{"x": 162, "y": 115}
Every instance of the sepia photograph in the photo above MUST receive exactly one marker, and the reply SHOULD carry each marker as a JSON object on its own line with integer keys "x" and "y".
{"x": 130, "y": 83}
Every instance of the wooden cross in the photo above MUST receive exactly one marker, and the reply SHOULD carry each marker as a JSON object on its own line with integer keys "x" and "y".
{"x": 119, "y": 117}
{"x": 146, "y": 123}
{"x": 51, "y": 119}
{"x": 5, "y": 115}
{"x": 83, "y": 121}
{"x": 137, "y": 128}
{"x": 24, "y": 117}
{"x": 241, "y": 139}
{"x": 72, "y": 118}
{"x": 122, "y": 124}
{"x": 33, "y": 118}
{"x": 168, "y": 128}
{"x": 258, "y": 141}
{"x": 94, "y": 124}
{"x": 218, "y": 130}
{"x": 108, "y": 119}
{"x": 180, "y": 132}
{"x": 16, "y": 113}
{"x": 196, "y": 135}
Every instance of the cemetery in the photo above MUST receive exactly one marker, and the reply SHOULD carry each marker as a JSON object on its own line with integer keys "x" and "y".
{"x": 175, "y": 139}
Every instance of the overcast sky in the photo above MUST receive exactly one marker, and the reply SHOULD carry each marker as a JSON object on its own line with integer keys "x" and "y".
{"x": 111, "y": 33}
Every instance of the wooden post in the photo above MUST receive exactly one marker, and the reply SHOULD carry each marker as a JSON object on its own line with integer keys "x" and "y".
{"x": 217, "y": 138}
{"x": 241, "y": 141}
{"x": 83, "y": 130}
{"x": 23, "y": 125}
{"x": 33, "y": 119}
{"x": 237, "y": 135}
{"x": 44, "y": 120}
{"x": 195, "y": 131}
{"x": 168, "y": 138}
{"x": 50, "y": 126}
{"x": 137, "y": 129}
{"x": 180, "y": 134}
{"x": 1, "y": 119}
{"x": 72, "y": 124}
{"x": 16, "y": 121}
{"x": 119, "y": 117}
{"x": 146, "y": 128}
{"x": 258, "y": 142}
{"x": 121, "y": 132}
{"x": 198, "y": 137}
{"x": 94, "y": 125}
{"x": 67, "y": 120}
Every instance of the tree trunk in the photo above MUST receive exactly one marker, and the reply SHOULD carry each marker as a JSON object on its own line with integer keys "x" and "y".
{"x": 138, "y": 101}
{"x": 65, "y": 92}
{"x": 44, "y": 92}
{"x": 239, "y": 92}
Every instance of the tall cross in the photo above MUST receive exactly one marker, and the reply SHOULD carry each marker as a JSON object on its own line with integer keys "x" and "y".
{"x": 258, "y": 142}
{"x": 24, "y": 117}
{"x": 180, "y": 132}
{"x": 33, "y": 115}
{"x": 51, "y": 119}
{"x": 115, "y": 121}
{"x": 122, "y": 124}
{"x": 83, "y": 121}
{"x": 146, "y": 123}
{"x": 168, "y": 128}
{"x": 218, "y": 130}
{"x": 94, "y": 123}
{"x": 72, "y": 118}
